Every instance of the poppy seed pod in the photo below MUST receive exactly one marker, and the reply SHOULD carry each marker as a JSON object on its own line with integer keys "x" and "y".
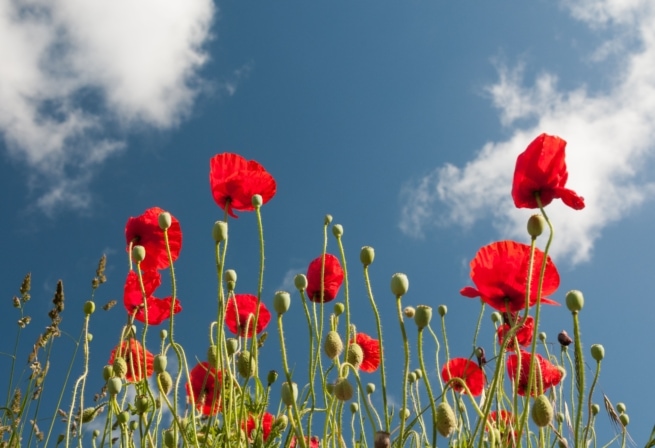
{"x": 160, "y": 363}
{"x": 542, "y": 411}
{"x": 164, "y": 220}
{"x": 597, "y": 352}
{"x": 355, "y": 355}
{"x": 165, "y": 381}
{"x": 138, "y": 253}
{"x": 337, "y": 230}
{"x": 574, "y": 301}
{"x": 399, "y": 284}
{"x": 246, "y": 364}
{"x": 300, "y": 282}
{"x": 257, "y": 201}
{"x": 219, "y": 231}
{"x": 445, "y": 419}
{"x": 89, "y": 307}
{"x": 423, "y": 316}
{"x": 289, "y": 393}
{"x": 343, "y": 390}
{"x": 620, "y": 407}
{"x": 281, "y": 302}
{"x": 114, "y": 386}
{"x": 367, "y": 255}
{"x": 536, "y": 225}
{"x": 333, "y": 345}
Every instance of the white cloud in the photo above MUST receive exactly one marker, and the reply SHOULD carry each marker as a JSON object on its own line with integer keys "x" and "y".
{"x": 610, "y": 140}
{"x": 74, "y": 70}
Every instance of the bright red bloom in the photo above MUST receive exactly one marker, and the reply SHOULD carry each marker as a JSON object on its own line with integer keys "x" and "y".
{"x": 235, "y": 180}
{"x": 266, "y": 421}
{"x": 523, "y": 335}
{"x": 541, "y": 169}
{"x": 134, "y": 354}
{"x": 500, "y": 273}
{"x": 158, "y": 309}
{"x": 371, "y": 349}
{"x": 314, "y": 442}
{"x": 240, "y": 313}
{"x": 546, "y": 373}
{"x": 333, "y": 276}
{"x": 468, "y": 371}
{"x": 144, "y": 231}
{"x": 205, "y": 385}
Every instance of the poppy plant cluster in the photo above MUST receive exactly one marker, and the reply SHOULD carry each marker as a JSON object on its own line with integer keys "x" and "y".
{"x": 331, "y": 272}
{"x": 467, "y": 371}
{"x": 135, "y": 357}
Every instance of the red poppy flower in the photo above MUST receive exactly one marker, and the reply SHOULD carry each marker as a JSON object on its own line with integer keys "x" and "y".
{"x": 266, "y": 422}
{"x": 541, "y": 169}
{"x": 550, "y": 375}
{"x": 314, "y": 442}
{"x": 468, "y": 371}
{"x": 500, "y": 273}
{"x": 132, "y": 351}
{"x": 523, "y": 335}
{"x": 333, "y": 276}
{"x": 205, "y": 385}
{"x": 144, "y": 230}
{"x": 371, "y": 349}
{"x": 158, "y": 309}
{"x": 240, "y": 313}
{"x": 235, "y": 180}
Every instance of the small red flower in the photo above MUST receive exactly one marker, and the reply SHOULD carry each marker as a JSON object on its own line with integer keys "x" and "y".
{"x": 523, "y": 335}
{"x": 240, "y": 313}
{"x": 132, "y": 351}
{"x": 314, "y": 442}
{"x": 158, "y": 309}
{"x": 235, "y": 180}
{"x": 371, "y": 349}
{"x": 205, "y": 385}
{"x": 468, "y": 371}
{"x": 266, "y": 422}
{"x": 500, "y": 273}
{"x": 546, "y": 372}
{"x": 144, "y": 231}
{"x": 541, "y": 169}
{"x": 333, "y": 276}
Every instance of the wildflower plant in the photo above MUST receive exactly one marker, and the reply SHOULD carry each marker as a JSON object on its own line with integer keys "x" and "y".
{"x": 337, "y": 394}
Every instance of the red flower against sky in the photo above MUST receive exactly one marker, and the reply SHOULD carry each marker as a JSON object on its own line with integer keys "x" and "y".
{"x": 314, "y": 442}
{"x": 144, "y": 231}
{"x": 158, "y": 309}
{"x": 205, "y": 385}
{"x": 523, "y": 335}
{"x": 333, "y": 276}
{"x": 240, "y": 313}
{"x": 371, "y": 349}
{"x": 468, "y": 371}
{"x": 235, "y": 180}
{"x": 500, "y": 273}
{"x": 132, "y": 351}
{"x": 541, "y": 169}
{"x": 266, "y": 421}
{"x": 550, "y": 375}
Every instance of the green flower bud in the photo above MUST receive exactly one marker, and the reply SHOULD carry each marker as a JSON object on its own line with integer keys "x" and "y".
{"x": 496, "y": 317}
{"x": 445, "y": 419}
{"x": 542, "y": 411}
{"x": 574, "y": 300}
{"x": 89, "y": 414}
{"x": 442, "y": 310}
{"x": 257, "y": 201}
{"x": 169, "y": 438}
{"x": 367, "y": 255}
{"x": 536, "y": 225}
{"x": 96, "y": 433}
{"x": 327, "y": 220}
{"x": 625, "y": 419}
{"x": 114, "y": 386}
{"x": 163, "y": 334}
{"x": 418, "y": 373}
{"x": 271, "y": 377}
{"x": 120, "y": 367}
{"x": 343, "y": 390}
{"x": 370, "y": 388}
{"x": 595, "y": 409}
{"x": 405, "y": 413}
{"x": 399, "y": 284}
{"x": 165, "y": 382}
{"x": 134, "y": 425}
{"x": 411, "y": 377}
{"x": 300, "y": 282}
{"x": 423, "y": 316}
{"x": 160, "y": 363}
{"x": 354, "y": 407}
{"x": 339, "y": 308}
{"x": 89, "y": 337}
{"x": 246, "y": 364}
{"x": 89, "y": 307}
{"x": 107, "y": 372}
{"x": 138, "y": 253}
{"x": 281, "y": 423}
{"x": 141, "y": 403}
{"x": 355, "y": 355}
{"x": 289, "y": 393}
{"x": 620, "y": 407}
{"x": 409, "y": 312}
{"x": 542, "y": 336}
{"x": 337, "y": 230}
{"x": 281, "y": 302}
{"x": 597, "y": 352}
{"x": 123, "y": 417}
{"x": 165, "y": 220}
{"x": 219, "y": 231}
{"x": 232, "y": 346}
{"x": 333, "y": 345}
{"x": 562, "y": 443}
{"x": 230, "y": 276}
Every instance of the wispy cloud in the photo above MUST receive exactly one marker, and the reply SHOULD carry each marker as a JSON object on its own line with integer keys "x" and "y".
{"x": 610, "y": 140}
{"x": 74, "y": 71}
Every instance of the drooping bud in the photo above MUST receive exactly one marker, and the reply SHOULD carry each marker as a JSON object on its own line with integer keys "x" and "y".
{"x": 89, "y": 307}
{"x": 354, "y": 407}
{"x": 355, "y": 355}
{"x": 536, "y": 225}
{"x": 333, "y": 345}
{"x": 169, "y": 438}
{"x": 411, "y": 377}
{"x": 405, "y": 413}
{"x": 141, "y": 404}
{"x": 370, "y": 388}
{"x": 337, "y": 230}
{"x": 281, "y": 422}
{"x": 160, "y": 363}
{"x": 281, "y": 302}
{"x": 327, "y": 220}
{"x": 343, "y": 390}
{"x": 542, "y": 336}
{"x": 418, "y": 373}
{"x": 564, "y": 339}
{"x": 246, "y": 364}
{"x": 163, "y": 334}
{"x": 574, "y": 300}
{"x": 496, "y": 317}
{"x": 230, "y": 277}
{"x": 542, "y": 411}
{"x": 367, "y": 255}
{"x": 289, "y": 393}
{"x": 445, "y": 418}
{"x": 423, "y": 316}
{"x": 595, "y": 409}
{"x": 257, "y": 201}
{"x": 597, "y": 352}
{"x": 339, "y": 308}
{"x": 442, "y": 310}
{"x": 271, "y": 377}
{"x": 120, "y": 367}
{"x": 232, "y": 345}
{"x": 164, "y": 220}
{"x": 138, "y": 253}
{"x": 399, "y": 284}
{"x": 165, "y": 382}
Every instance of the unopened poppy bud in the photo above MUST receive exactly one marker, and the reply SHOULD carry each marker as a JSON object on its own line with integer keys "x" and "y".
{"x": 343, "y": 390}
{"x": 445, "y": 419}
{"x": 138, "y": 253}
{"x": 96, "y": 433}
{"x": 300, "y": 282}
{"x": 382, "y": 439}
{"x": 337, "y": 230}
{"x": 496, "y": 317}
{"x": 123, "y": 417}
{"x": 114, "y": 386}
{"x": 169, "y": 438}
{"x": 542, "y": 411}
{"x": 134, "y": 425}
{"x": 160, "y": 363}
{"x": 562, "y": 443}
{"x": 595, "y": 409}
{"x": 281, "y": 302}
{"x": 542, "y": 336}
{"x": 246, "y": 364}
{"x": 212, "y": 356}
{"x": 89, "y": 414}
{"x": 165, "y": 382}
{"x": 564, "y": 339}
{"x": 405, "y": 413}
{"x": 165, "y": 220}
{"x": 339, "y": 308}
{"x": 560, "y": 417}
{"x": 333, "y": 345}
{"x": 141, "y": 404}
{"x": 232, "y": 345}
{"x": 281, "y": 423}
{"x": 271, "y": 377}
{"x": 289, "y": 393}
{"x": 107, "y": 372}
{"x": 620, "y": 407}
{"x": 354, "y": 407}
{"x": 355, "y": 355}
{"x": 399, "y": 284}
{"x": 257, "y": 201}
{"x": 625, "y": 419}
{"x": 367, "y": 255}
{"x": 89, "y": 337}
{"x": 230, "y": 276}
{"x": 163, "y": 334}
{"x": 418, "y": 373}
{"x": 442, "y": 310}
{"x": 423, "y": 316}
{"x": 219, "y": 231}
{"x": 574, "y": 301}
{"x": 409, "y": 312}
{"x": 370, "y": 388}
{"x": 327, "y": 220}
{"x": 120, "y": 367}
{"x": 597, "y": 352}
{"x": 411, "y": 377}
{"x": 536, "y": 225}
{"x": 89, "y": 307}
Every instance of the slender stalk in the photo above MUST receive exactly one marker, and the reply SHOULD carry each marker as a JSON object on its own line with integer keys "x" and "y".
{"x": 401, "y": 435}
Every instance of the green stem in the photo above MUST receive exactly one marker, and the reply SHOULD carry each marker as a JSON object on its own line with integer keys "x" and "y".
{"x": 401, "y": 435}
{"x": 591, "y": 393}
{"x": 428, "y": 387}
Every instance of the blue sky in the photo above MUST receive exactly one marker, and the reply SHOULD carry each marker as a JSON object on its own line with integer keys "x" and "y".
{"x": 402, "y": 120}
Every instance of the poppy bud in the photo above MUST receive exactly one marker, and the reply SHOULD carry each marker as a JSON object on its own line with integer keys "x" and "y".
{"x": 564, "y": 339}
{"x": 281, "y": 422}
{"x": 496, "y": 317}
{"x": 107, "y": 372}
{"x": 620, "y": 407}
{"x": 354, "y": 407}
{"x": 120, "y": 367}
{"x": 597, "y": 352}
{"x": 123, "y": 417}
{"x": 399, "y": 284}
{"x": 165, "y": 382}
{"x": 409, "y": 312}
{"x": 595, "y": 409}
{"x": 339, "y": 308}
{"x": 89, "y": 414}
{"x": 281, "y": 302}
{"x": 370, "y": 388}
{"x": 367, "y": 255}
{"x": 230, "y": 278}
{"x": 542, "y": 336}
{"x": 337, "y": 230}
{"x": 423, "y": 316}
{"x": 160, "y": 363}
{"x": 89, "y": 307}
{"x": 445, "y": 419}
{"x": 333, "y": 345}
{"x": 418, "y": 373}
{"x": 289, "y": 393}
{"x": 138, "y": 253}
{"x": 257, "y": 201}
{"x": 300, "y": 282}
{"x": 343, "y": 390}
{"x": 141, "y": 404}
{"x": 114, "y": 386}
{"x": 382, "y": 439}
{"x": 95, "y": 433}
{"x": 405, "y": 413}
{"x": 411, "y": 377}
{"x": 355, "y": 355}
{"x": 164, "y": 220}
{"x": 327, "y": 220}
{"x": 542, "y": 411}
{"x": 574, "y": 301}
{"x": 246, "y": 364}
{"x": 442, "y": 310}
{"x": 134, "y": 425}
{"x": 271, "y": 377}
{"x": 625, "y": 420}
{"x": 169, "y": 438}
{"x": 562, "y": 443}
{"x": 536, "y": 225}
{"x": 219, "y": 231}
{"x": 89, "y": 337}
{"x": 163, "y": 334}
{"x": 232, "y": 345}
